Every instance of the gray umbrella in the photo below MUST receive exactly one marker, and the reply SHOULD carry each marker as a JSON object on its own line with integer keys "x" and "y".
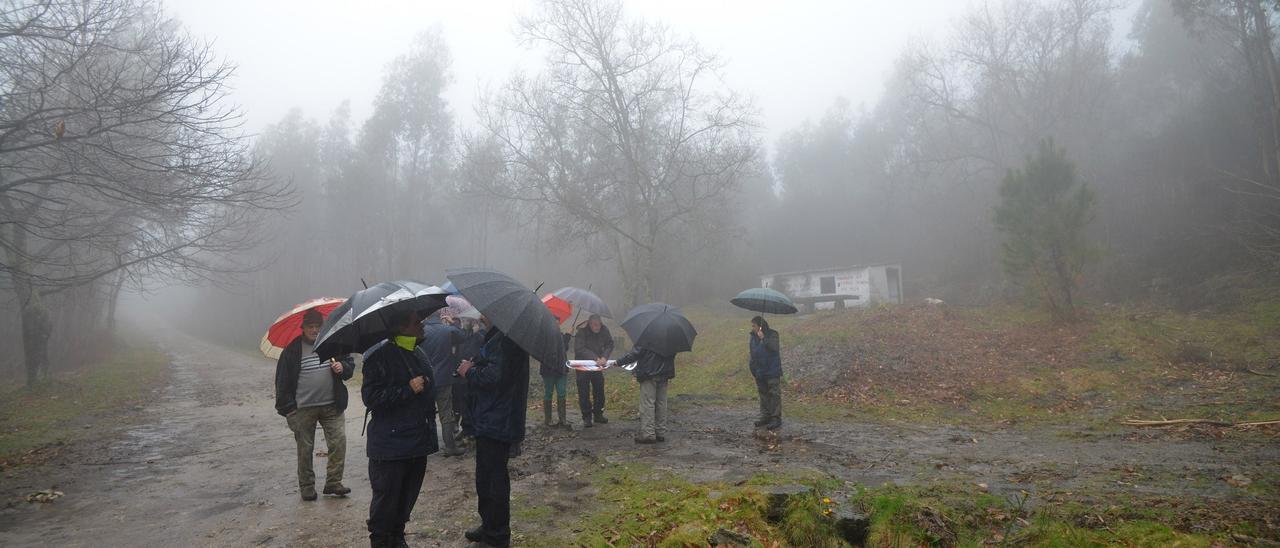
{"x": 763, "y": 299}
{"x": 360, "y": 322}
{"x": 514, "y": 309}
{"x": 584, "y": 300}
{"x": 660, "y": 328}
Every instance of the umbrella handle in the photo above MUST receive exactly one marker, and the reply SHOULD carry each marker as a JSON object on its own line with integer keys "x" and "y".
{"x": 574, "y": 326}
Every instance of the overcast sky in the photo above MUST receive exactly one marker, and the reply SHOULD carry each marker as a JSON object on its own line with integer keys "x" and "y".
{"x": 793, "y": 57}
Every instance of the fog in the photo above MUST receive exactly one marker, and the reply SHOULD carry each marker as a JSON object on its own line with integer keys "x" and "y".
{"x": 671, "y": 151}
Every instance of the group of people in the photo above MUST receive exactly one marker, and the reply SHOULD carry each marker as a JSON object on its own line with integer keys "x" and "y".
{"x": 475, "y": 381}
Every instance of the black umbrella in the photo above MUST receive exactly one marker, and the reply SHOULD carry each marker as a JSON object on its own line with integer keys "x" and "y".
{"x": 360, "y": 322}
{"x": 660, "y": 328}
{"x": 763, "y": 299}
{"x": 584, "y": 300}
{"x": 514, "y": 309}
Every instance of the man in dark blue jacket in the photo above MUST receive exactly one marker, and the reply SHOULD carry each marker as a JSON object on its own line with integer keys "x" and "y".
{"x": 397, "y": 390}
{"x": 766, "y": 367}
{"x": 497, "y": 393}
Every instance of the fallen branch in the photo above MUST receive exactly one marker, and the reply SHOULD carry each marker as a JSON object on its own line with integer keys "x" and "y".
{"x": 1173, "y": 422}
{"x": 1251, "y": 370}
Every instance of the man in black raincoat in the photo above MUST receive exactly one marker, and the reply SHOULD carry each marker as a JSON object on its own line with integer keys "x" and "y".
{"x": 497, "y": 394}
{"x": 397, "y": 390}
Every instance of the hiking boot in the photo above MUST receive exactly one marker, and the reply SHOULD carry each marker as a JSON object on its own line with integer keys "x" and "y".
{"x": 308, "y": 493}
{"x": 546, "y": 413}
{"x": 474, "y": 534}
{"x": 586, "y": 421}
{"x": 453, "y": 452}
{"x": 337, "y": 489}
{"x": 599, "y": 417}
{"x": 761, "y": 422}
{"x": 645, "y": 441}
{"x": 773, "y": 425}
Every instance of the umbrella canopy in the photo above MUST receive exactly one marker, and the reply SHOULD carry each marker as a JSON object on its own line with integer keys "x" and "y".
{"x": 361, "y": 321}
{"x": 514, "y": 309}
{"x": 584, "y": 300}
{"x": 288, "y": 326}
{"x": 460, "y": 308}
{"x": 763, "y": 299}
{"x": 450, "y": 288}
{"x": 559, "y": 307}
{"x": 660, "y": 328}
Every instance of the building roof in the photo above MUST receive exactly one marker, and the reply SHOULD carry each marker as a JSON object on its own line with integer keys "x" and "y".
{"x": 831, "y": 269}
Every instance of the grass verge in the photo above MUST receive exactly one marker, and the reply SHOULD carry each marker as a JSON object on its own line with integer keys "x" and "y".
{"x": 78, "y": 404}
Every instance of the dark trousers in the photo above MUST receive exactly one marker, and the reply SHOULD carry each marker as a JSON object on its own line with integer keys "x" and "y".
{"x": 590, "y": 387}
{"x": 493, "y": 489}
{"x": 395, "y": 485}
{"x": 770, "y": 401}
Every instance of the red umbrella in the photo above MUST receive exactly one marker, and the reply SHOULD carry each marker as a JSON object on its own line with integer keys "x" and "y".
{"x": 559, "y": 308}
{"x": 288, "y": 326}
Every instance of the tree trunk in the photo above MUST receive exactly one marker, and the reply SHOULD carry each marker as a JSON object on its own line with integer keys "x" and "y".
{"x": 36, "y": 330}
{"x": 112, "y": 300}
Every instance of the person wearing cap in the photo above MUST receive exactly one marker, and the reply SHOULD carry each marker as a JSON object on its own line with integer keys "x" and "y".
{"x": 308, "y": 392}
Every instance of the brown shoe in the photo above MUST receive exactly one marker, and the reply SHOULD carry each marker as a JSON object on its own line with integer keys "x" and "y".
{"x": 336, "y": 489}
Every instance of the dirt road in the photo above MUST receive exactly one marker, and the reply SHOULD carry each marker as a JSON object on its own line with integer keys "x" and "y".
{"x": 209, "y": 463}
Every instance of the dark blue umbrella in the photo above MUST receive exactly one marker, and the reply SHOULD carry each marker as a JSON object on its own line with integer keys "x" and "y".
{"x": 763, "y": 299}
{"x": 360, "y": 322}
{"x": 514, "y": 309}
{"x": 660, "y": 328}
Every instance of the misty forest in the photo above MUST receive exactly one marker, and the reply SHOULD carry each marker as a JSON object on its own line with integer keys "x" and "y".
{"x": 1024, "y": 290}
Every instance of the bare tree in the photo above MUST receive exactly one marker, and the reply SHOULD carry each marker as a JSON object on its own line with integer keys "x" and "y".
{"x": 118, "y": 154}
{"x": 628, "y": 138}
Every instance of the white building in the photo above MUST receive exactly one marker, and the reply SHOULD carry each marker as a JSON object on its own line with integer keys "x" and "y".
{"x": 839, "y": 287}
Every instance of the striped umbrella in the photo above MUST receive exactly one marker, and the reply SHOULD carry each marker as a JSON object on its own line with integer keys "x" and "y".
{"x": 288, "y": 326}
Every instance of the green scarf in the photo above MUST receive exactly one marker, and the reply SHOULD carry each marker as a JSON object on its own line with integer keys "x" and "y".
{"x": 406, "y": 342}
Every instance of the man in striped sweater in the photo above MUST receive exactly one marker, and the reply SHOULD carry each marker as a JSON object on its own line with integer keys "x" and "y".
{"x": 309, "y": 391}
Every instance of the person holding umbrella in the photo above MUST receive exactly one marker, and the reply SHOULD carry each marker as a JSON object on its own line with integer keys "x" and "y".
{"x": 519, "y": 327}
{"x": 498, "y": 389}
{"x": 765, "y": 358}
{"x": 398, "y": 391}
{"x": 310, "y": 391}
{"x": 766, "y": 366}
{"x": 659, "y": 332}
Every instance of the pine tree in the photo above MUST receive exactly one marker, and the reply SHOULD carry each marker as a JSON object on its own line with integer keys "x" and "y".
{"x": 1043, "y": 213}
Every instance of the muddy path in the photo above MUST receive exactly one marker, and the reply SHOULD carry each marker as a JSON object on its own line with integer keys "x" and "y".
{"x": 209, "y": 463}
